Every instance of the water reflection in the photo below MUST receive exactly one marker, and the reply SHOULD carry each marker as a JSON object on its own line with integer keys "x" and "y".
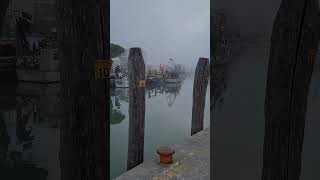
{"x": 167, "y": 120}
{"x": 29, "y": 141}
{"x": 171, "y": 90}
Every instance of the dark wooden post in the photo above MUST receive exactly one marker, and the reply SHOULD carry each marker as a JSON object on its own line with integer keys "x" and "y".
{"x": 4, "y": 140}
{"x": 3, "y": 10}
{"x": 136, "y": 107}
{"x": 83, "y": 34}
{"x": 294, "y": 43}
{"x": 200, "y": 84}
{"x": 20, "y": 32}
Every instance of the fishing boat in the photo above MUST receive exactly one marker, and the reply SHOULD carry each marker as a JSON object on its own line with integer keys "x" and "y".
{"x": 172, "y": 74}
{"x": 153, "y": 80}
{"x": 173, "y": 80}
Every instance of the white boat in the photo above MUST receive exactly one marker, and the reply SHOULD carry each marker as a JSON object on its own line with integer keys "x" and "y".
{"x": 175, "y": 80}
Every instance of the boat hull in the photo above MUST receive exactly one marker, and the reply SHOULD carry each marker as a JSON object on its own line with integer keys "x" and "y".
{"x": 176, "y": 80}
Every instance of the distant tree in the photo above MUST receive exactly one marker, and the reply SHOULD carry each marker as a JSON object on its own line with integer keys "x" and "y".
{"x": 116, "y": 50}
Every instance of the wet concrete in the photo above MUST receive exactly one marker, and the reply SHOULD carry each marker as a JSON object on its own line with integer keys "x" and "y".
{"x": 191, "y": 162}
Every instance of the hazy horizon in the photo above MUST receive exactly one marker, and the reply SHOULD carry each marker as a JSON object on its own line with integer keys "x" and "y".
{"x": 178, "y": 29}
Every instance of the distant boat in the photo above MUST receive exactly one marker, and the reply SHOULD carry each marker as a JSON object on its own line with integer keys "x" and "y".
{"x": 154, "y": 80}
{"x": 172, "y": 74}
{"x": 173, "y": 80}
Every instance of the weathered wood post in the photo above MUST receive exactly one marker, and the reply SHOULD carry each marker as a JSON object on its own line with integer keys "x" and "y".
{"x": 84, "y": 42}
{"x": 3, "y": 10}
{"x": 4, "y": 140}
{"x": 200, "y": 84}
{"x": 294, "y": 43}
{"x": 136, "y": 107}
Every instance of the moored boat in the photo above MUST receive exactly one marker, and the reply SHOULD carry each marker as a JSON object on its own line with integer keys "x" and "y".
{"x": 172, "y": 74}
{"x": 154, "y": 80}
{"x": 173, "y": 80}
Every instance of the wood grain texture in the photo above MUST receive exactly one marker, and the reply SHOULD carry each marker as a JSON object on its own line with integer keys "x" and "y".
{"x": 295, "y": 32}
{"x": 3, "y": 10}
{"x": 83, "y": 34}
{"x": 136, "y": 69}
{"x": 200, "y": 84}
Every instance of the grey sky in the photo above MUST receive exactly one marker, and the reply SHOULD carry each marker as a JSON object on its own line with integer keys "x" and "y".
{"x": 163, "y": 28}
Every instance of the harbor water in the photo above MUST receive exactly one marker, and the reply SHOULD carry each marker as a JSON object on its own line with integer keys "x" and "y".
{"x": 30, "y": 116}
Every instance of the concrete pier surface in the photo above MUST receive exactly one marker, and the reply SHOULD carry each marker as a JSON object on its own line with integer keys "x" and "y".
{"x": 191, "y": 162}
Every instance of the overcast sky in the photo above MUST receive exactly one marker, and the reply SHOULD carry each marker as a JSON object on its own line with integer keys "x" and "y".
{"x": 163, "y": 28}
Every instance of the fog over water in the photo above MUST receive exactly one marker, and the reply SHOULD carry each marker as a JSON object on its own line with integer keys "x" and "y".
{"x": 168, "y": 28}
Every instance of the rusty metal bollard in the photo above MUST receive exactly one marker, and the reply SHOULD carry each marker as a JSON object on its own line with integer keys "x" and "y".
{"x": 165, "y": 155}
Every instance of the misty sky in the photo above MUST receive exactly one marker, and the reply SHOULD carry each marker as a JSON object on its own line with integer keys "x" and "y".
{"x": 168, "y": 28}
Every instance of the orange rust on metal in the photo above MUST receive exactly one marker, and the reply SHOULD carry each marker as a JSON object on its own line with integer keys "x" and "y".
{"x": 165, "y": 155}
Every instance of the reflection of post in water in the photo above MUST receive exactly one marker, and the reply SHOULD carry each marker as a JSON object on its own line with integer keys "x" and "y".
{"x": 136, "y": 108}
{"x": 199, "y": 94}
{"x": 172, "y": 90}
{"x": 219, "y": 77}
{"x": 154, "y": 90}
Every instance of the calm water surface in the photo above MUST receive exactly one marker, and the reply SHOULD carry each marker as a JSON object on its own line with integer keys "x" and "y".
{"x": 29, "y": 127}
{"x": 167, "y": 121}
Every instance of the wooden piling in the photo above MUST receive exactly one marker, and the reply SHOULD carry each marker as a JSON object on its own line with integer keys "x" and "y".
{"x": 83, "y": 34}
{"x": 136, "y": 69}
{"x": 199, "y": 94}
{"x": 3, "y": 10}
{"x": 294, "y": 36}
